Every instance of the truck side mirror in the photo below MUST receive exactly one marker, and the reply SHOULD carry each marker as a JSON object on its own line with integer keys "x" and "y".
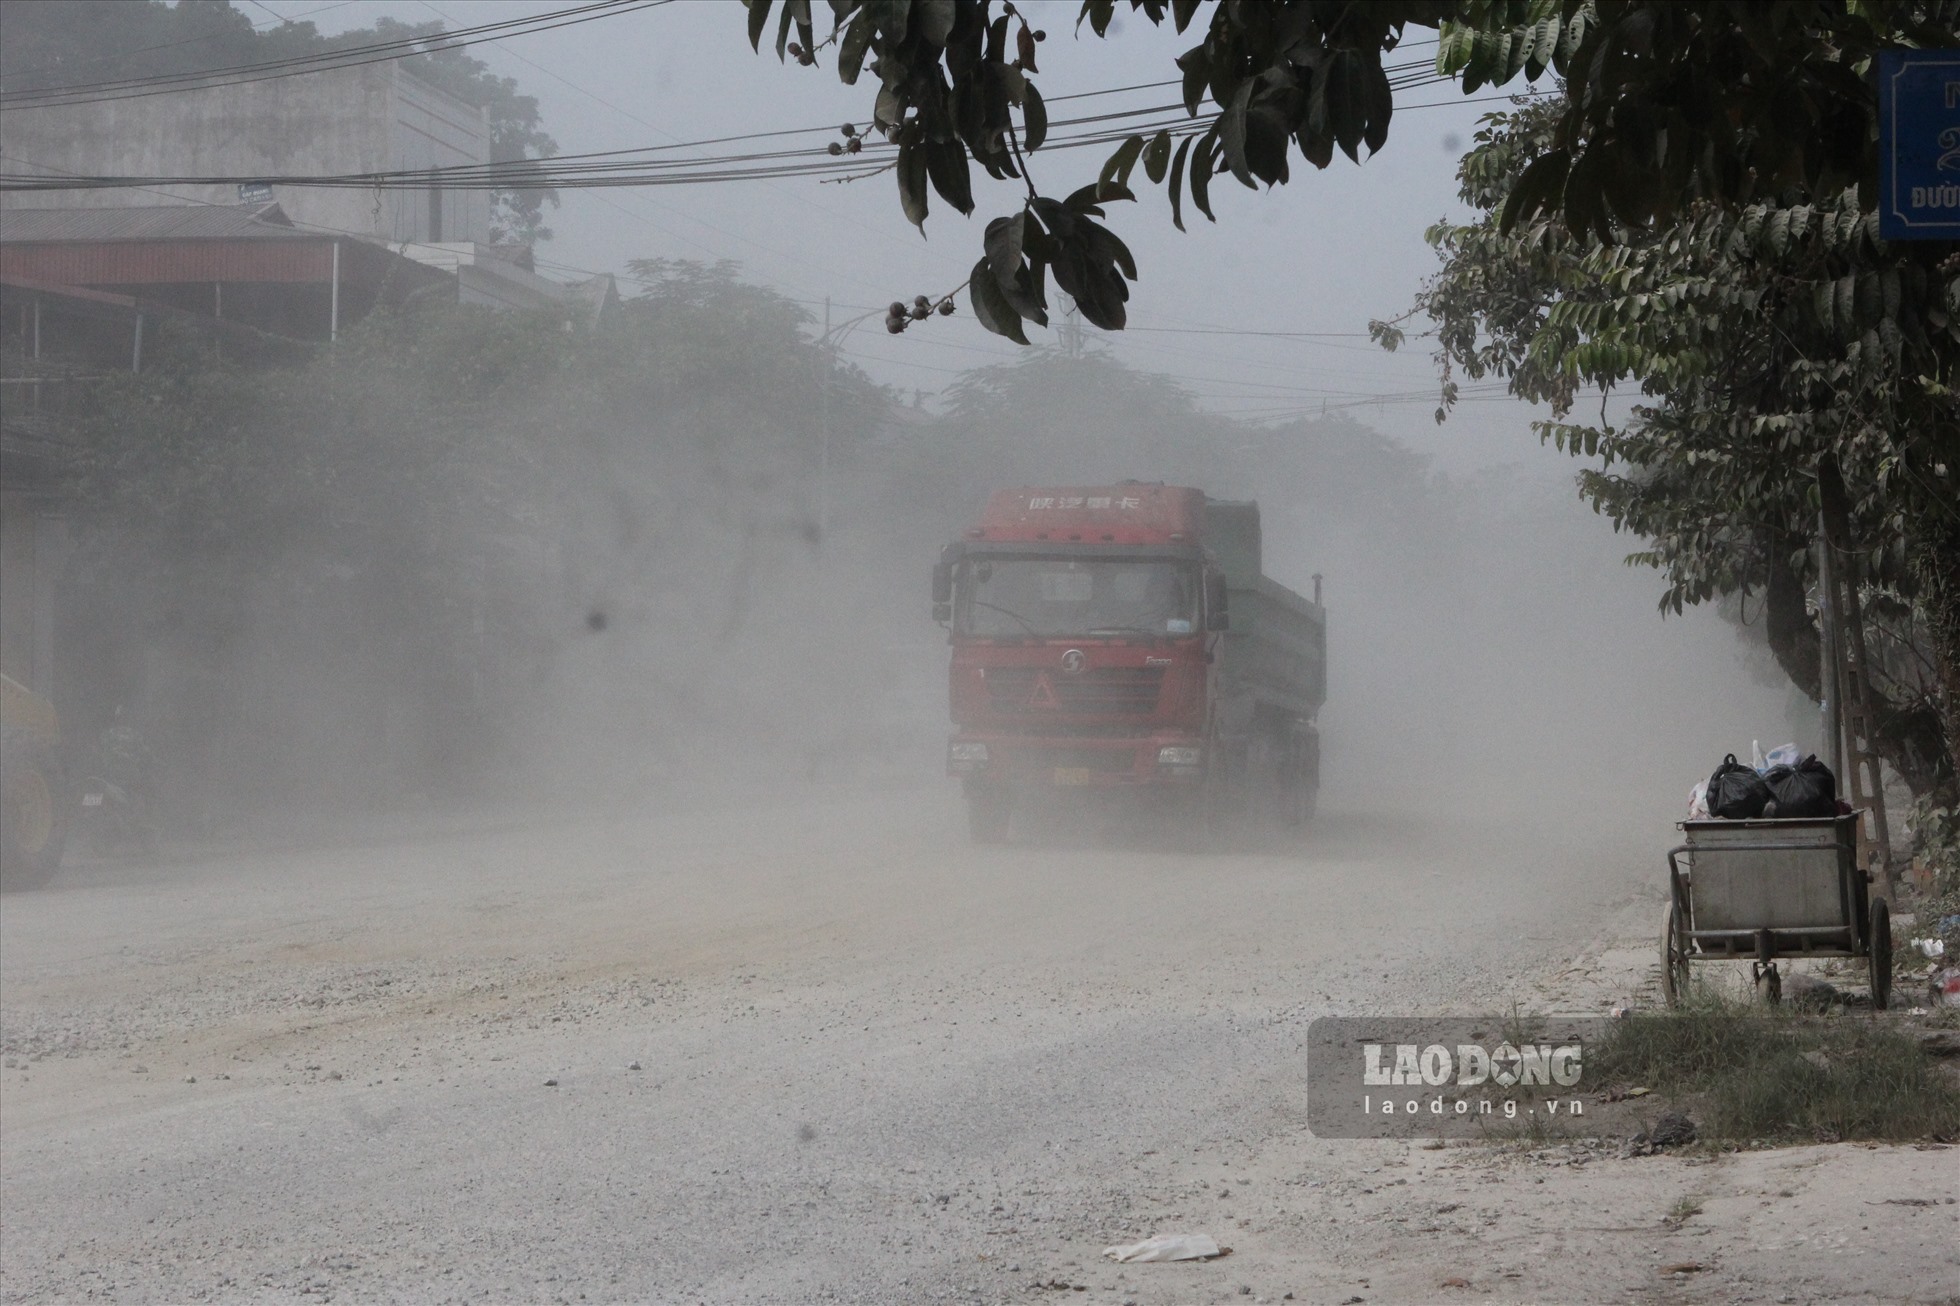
{"x": 942, "y": 583}
{"x": 1217, "y": 612}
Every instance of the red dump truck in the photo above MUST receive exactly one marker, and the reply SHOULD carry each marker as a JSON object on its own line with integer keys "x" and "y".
{"x": 1125, "y": 638}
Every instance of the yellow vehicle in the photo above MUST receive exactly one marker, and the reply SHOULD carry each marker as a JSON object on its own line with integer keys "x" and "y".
{"x": 33, "y": 788}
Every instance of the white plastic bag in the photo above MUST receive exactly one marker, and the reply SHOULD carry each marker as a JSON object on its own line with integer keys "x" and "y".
{"x": 1168, "y": 1247}
{"x": 1698, "y": 801}
{"x": 1781, "y": 755}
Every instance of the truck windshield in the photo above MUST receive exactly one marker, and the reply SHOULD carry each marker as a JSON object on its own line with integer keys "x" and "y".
{"x": 1085, "y": 596}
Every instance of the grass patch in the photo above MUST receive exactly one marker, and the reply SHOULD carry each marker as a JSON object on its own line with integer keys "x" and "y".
{"x": 1785, "y": 1077}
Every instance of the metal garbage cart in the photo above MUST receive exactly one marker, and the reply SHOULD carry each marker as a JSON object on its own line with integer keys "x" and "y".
{"x": 1768, "y": 889}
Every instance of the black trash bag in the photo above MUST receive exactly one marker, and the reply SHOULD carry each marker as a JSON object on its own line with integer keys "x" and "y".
{"x": 1736, "y": 792}
{"x": 1807, "y": 789}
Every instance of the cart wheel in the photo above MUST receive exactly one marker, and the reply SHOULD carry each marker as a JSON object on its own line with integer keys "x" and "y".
{"x": 1878, "y": 945}
{"x": 1674, "y": 959}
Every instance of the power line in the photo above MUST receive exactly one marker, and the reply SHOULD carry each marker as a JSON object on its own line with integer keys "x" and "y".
{"x": 631, "y": 213}
{"x": 633, "y": 166}
{"x": 376, "y": 52}
{"x": 410, "y": 44}
{"x": 1330, "y": 401}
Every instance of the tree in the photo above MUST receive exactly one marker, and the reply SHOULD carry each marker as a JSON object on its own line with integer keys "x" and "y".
{"x": 1788, "y": 359}
{"x": 1730, "y": 101}
{"x": 51, "y": 44}
{"x": 1694, "y": 214}
{"x": 385, "y": 567}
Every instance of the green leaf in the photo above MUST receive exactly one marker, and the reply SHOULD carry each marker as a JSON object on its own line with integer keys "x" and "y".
{"x": 1202, "y": 159}
{"x": 1779, "y": 232}
{"x": 946, "y": 165}
{"x": 1348, "y": 95}
{"x": 758, "y": 20}
{"x": 1005, "y": 240}
{"x": 1381, "y": 107}
{"x": 1012, "y": 81}
{"x": 1157, "y": 156}
{"x": 1025, "y": 292}
{"x": 851, "y": 49}
{"x": 1231, "y": 133}
{"x": 1538, "y": 189}
{"x": 1034, "y": 116}
{"x": 990, "y": 306}
{"x": 936, "y": 18}
{"x": 1195, "y": 66}
{"x": 912, "y": 183}
{"x": 1088, "y": 199}
{"x": 1116, "y": 169}
{"x": 1177, "y": 183}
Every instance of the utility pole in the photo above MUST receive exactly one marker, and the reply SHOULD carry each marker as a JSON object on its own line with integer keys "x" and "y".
{"x": 1071, "y": 332}
{"x": 1828, "y": 677}
{"x": 1855, "y": 745}
{"x": 823, "y": 436}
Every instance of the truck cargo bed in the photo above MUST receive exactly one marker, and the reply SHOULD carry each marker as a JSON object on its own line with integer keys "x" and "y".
{"x": 1276, "y": 647}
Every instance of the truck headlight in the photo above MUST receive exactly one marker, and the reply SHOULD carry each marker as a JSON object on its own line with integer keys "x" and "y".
{"x": 962, "y": 751}
{"x": 1176, "y": 755}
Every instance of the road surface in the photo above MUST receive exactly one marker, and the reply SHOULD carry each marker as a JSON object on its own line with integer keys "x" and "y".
{"x": 808, "y": 1049}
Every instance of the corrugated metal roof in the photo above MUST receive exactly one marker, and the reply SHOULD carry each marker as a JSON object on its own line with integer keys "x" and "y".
{"x": 165, "y": 262}
{"x": 150, "y": 222}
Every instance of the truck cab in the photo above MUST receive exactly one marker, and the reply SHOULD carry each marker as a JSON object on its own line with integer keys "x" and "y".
{"x": 1091, "y": 632}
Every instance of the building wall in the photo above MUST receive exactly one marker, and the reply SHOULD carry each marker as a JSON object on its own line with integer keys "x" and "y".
{"x": 435, "y": 130}
{"x": 343, "y": 120}
{"x": 33, "y": 548}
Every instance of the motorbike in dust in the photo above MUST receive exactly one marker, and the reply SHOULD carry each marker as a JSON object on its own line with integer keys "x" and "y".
{"x": 116, "y": 820}
{"x": 118, "y": 814}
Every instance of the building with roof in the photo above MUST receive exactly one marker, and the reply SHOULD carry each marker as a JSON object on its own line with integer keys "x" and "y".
{"x": 373, "y": 117}
{"x": 243, "y": 264}
{"x": 335, "y": 122}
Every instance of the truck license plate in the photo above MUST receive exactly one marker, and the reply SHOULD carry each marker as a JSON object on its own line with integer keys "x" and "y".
{"x": 1074, "y": 775}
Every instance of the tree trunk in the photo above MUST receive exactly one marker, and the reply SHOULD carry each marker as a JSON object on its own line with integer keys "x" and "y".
{"x": 1936, "y": 564}
{"x": 1792, "y": 634}
{"x": 1916, "y": 744}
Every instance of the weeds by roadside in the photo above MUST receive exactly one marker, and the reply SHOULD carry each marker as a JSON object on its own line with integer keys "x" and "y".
{"x": 1685, "y": 1208}
{"x": 1786, "y": 1076}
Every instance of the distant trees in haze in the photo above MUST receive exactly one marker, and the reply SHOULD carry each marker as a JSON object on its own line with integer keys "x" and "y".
{"x": 390, "y": 568}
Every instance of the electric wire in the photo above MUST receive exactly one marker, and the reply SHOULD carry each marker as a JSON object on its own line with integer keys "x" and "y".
{"x": 376, "y": 52}
{"x": 633, "y": 166}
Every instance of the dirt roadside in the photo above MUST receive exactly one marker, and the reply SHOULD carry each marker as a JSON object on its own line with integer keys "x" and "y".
{"x": 1582, "y": 1223}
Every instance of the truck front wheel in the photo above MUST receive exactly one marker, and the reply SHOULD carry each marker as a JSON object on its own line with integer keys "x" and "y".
{"x": 33, "y": 816}
{"x": 1300, "y": 781}
{"x": 989, "y": 811}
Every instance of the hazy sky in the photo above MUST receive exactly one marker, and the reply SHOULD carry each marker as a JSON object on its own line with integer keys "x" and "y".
{"x": 1324, "y": 254}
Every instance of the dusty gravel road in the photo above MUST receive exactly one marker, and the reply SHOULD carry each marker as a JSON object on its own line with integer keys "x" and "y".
{"x": 819, "y": 1049}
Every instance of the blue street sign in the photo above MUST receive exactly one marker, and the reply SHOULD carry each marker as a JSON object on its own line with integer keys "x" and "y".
{"x": 1919, "y": 145}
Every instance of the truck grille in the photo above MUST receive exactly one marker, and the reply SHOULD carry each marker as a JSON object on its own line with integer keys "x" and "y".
{"x": 1106, "y": 691}
{"x": 1114, "y": 760}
